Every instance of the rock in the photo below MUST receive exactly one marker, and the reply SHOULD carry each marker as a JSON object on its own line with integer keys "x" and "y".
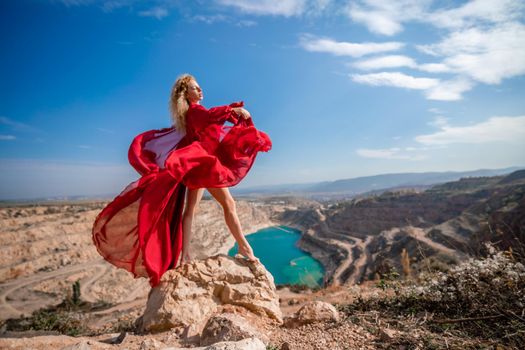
{"x": 65, "y": 261}
{"x": 114, "y": 338}
{"x": 151, "y": 344}
{"x": 83, "y": 345}
{"x": 313, "y": 311}
{"x": 228, "y": 327}
{"x": 245, "y": 344}
{"x": 286, "y": 346}
{"x": 387, "y": 335}
{"x": 120, "y": 338}
{"x": 191, "y": 293}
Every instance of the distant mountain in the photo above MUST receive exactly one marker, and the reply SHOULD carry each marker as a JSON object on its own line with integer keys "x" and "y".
{"x": 365, "y": 184}
{"x": 57, "y": 199}
{"x": 344, "y": 188}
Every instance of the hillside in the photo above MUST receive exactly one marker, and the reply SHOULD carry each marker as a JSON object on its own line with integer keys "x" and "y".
{"x": 357, "y": 239}
{"x": 381, "y": 254}
{"x": 348, "y": 188}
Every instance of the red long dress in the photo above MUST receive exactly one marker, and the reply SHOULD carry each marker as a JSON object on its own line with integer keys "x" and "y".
{"x": 141, "y": 229}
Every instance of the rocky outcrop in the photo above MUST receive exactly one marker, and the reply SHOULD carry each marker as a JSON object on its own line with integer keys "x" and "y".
{"x": 245, "y": 344}
{"x": 229, "y": 327}
{"x": 311, "y": 312}
{"x": 189, "y": 295}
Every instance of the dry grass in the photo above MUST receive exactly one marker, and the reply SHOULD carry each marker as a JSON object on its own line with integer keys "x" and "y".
{"x": 478, "y": 303}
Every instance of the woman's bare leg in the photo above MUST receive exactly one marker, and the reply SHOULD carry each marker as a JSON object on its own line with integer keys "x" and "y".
{"x": 225, "y": 199}
{"x": 193, "y": 197}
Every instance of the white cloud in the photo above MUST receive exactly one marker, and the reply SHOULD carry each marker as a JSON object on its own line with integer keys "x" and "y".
{"x": 476, "y": 11}
{"x": 7, "y": 137}
{"x": 69, "y": 3}
{"x": 106, "y": 6}
{"x": 439, "y": 121}
{"x": 395, "y": 61}
{"x": 435, "y": 89}
{"x": 484, "y": 42}
{"x": 111, "y": 5}
{"x": 320, "y": 5}
{"x": 218, "y": 18}
{"x": 387, "y": 17}
{"x": 395, "y": 79}
{"x": 391, "y": 61}
{"x": 472, "y": 55}
{"x": 13, "y": 124}
{"x": 209, "y": 19}
{"x": 389, "y": 153}
{"x": 246, "y": 23}
{"x": 485, "y": 55}
{"x": 449, "y": 90}
{"x": 504, "y": 129}
{"x": 384, "y": 16}
{"x": 434, "y": 68}
{"x": 415, "y": 149}
{"x": 435, "y": 110}
{"x": 340, "y": 48}
{"x": 376, "y": 21}
{"x": 285, "y": 8}
{"x": 157, "y": 12}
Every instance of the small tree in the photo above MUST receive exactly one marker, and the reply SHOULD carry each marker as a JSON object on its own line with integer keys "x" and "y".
{"x": 405, "y": 263}
{"x": 76, "y": 293}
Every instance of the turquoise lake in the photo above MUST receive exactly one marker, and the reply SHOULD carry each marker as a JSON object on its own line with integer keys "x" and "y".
{"x": 275, "y": 247}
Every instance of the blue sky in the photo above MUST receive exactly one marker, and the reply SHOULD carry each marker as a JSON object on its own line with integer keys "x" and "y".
{"x": 343, "y": 88}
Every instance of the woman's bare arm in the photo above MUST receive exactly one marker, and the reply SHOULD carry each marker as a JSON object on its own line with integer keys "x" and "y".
{"x": 242, "y": 112}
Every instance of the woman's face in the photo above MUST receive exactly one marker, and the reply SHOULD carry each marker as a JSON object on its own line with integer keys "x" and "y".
{"x": 194, "y": 93}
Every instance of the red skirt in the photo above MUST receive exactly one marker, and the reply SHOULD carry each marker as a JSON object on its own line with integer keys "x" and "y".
{"x": 140, "y": 230}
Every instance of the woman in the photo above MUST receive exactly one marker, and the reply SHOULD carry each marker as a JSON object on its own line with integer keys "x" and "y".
{"x": 147, "y": 226}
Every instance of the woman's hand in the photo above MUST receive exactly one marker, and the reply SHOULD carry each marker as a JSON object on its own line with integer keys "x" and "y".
{"x": 241, "y": 112}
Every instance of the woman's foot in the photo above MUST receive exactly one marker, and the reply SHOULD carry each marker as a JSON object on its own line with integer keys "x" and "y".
{"x": 247, "y": 252}
{"x": 185, "y": 258}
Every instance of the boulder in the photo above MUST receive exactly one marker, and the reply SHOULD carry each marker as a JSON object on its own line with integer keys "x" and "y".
{"x": 387, "y": 335}
{"x": 228, "y": 327}
{"x": 83, "y": 345}
{"x": 151, "y": 344}
{"x": 311, "y": 312}
{"x": 245, "y": 344}
{"x": 188, "y": 295}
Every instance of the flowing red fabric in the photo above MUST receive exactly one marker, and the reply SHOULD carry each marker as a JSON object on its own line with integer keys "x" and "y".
{"x": 141, "y": 229}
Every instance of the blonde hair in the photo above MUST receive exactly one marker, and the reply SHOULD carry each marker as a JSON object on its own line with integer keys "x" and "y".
{"x": 179, "y": 103}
